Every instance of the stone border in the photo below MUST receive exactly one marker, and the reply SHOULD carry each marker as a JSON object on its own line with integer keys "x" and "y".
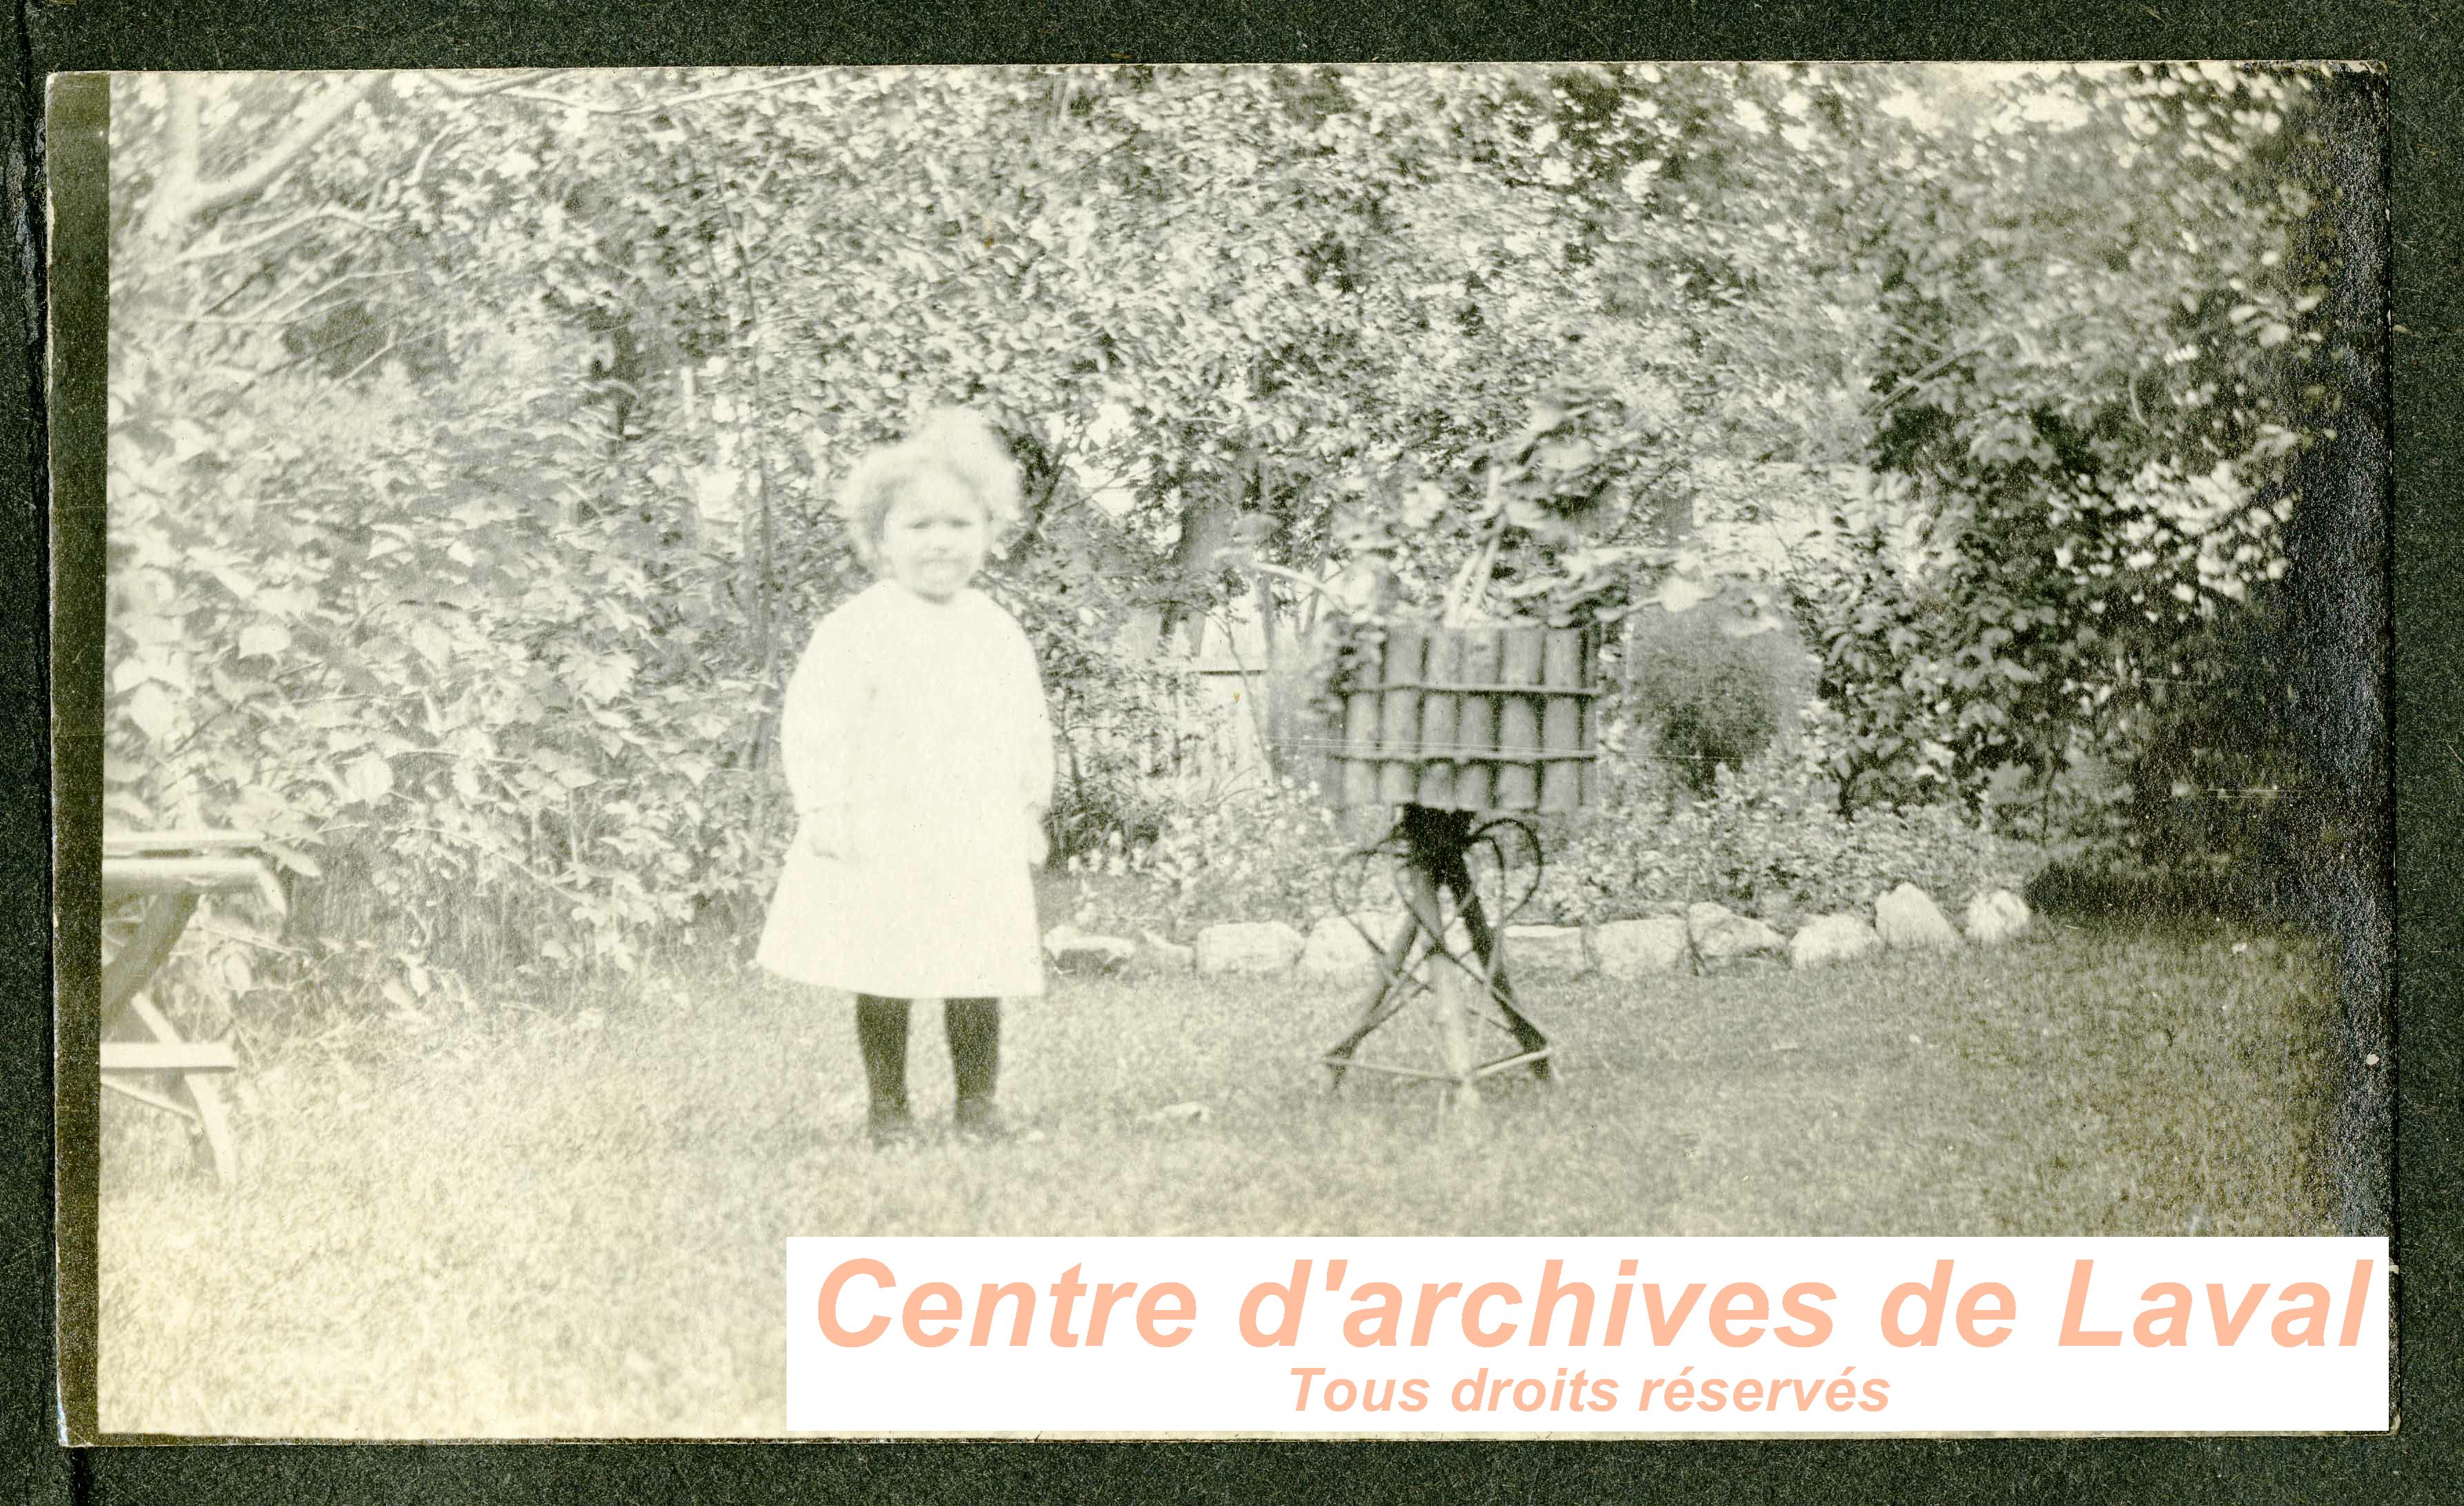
{"x": 1702, "y": 937}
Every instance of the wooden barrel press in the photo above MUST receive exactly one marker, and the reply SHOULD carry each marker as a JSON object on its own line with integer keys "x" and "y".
{"x": 1463, "y": 729}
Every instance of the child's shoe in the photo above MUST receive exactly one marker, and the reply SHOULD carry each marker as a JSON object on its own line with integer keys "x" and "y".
{"x": 884, "y": 1130}
{"x": 980, "y": 1120}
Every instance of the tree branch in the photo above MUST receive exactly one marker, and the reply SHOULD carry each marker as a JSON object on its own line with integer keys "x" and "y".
{"x": 681, "y": 100}
{"x": 300, "y": 300}
{"x": 187, "y": 130}
{"x": 419, "y": 168}
{"x": 516, "y": 90}
{"x": 562, "y": 103}
{"x": 275, "y": 232}
{"x": 314, "y": 122}
{"x": 479, "y": 91}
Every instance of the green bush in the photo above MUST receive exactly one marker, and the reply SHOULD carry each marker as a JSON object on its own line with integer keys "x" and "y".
{"x": 1709, "y": 697}
{"x": 1263, "y": 851}
{"x": 1768, "y": 840}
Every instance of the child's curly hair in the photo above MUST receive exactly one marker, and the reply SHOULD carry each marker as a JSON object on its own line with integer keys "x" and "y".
{"x": 953, "y": 441}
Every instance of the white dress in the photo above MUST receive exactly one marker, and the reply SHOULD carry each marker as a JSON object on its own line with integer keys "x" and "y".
{"x": 916, "y": 732}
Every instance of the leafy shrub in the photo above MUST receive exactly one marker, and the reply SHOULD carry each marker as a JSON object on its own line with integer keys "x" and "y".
{"x": 474, "y": 726}
{"x": 1263, "y": 851}
{"x": 1884, "y": 720}
{"x": 1708, "y": 695}
{"x": 1769, "y": 840}
{"x": 497, "y": 736}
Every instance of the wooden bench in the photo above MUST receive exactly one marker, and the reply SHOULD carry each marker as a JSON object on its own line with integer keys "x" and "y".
{"x": 144, "y": 1058}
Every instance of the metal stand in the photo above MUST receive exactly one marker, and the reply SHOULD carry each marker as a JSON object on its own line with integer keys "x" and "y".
{"x": 1431, "y": 852}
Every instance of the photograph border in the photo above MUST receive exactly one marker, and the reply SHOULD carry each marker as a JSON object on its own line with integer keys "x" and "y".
{"x": 2425, "y": 744}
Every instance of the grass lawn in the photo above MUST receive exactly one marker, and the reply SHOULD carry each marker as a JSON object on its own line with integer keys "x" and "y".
{"x": 571, "y": 1223}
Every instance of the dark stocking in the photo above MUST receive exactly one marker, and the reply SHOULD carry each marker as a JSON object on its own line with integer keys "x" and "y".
{"x": 973, "y": 1028}
{"x": 881, "y": 1034}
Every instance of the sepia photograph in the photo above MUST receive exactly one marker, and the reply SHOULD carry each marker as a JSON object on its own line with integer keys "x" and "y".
{"x": 699, "y": 657}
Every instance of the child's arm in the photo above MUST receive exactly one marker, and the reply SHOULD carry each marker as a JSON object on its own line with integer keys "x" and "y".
{"x": 1036, "y": 770}
{"x": 815, "y": 716}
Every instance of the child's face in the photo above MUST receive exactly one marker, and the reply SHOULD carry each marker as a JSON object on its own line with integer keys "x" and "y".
{"x": 934, "y": 536}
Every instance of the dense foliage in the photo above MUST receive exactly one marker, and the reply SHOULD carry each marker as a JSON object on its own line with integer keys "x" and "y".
{"x": 1770, "y": 841}
{"x": 472, "y": 434}
{"x": 2086, "y": 537}
{"x": 1767, "y": 841}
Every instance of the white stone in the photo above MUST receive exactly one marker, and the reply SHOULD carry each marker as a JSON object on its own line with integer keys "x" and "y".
{"x": 1630, "y": 949}
{"x": 1719, "y": 934}
{"x": 1336, "y": 949}
{"x": 1742, "y": 936}
{"x": 1833, "y": 939}
{"x": 1248, "y": 947}
{"x": 1060, "y": 938}
{"x": 1702, "y": 917}
{"x": 1546, "y": 949}
{"x": 1157, "y": 954}
{"x": 1095, "y": 953}
{"x": 1076, "y": 951}
{"x": 1907, "y": 920}
{"x": 1995, "y": 916}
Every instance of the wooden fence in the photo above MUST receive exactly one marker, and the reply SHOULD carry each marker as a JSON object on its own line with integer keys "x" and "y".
{"x": 1204, "y": 737}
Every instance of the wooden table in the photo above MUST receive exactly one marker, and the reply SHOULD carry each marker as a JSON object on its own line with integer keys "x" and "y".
{"x": 144, "y": 1058}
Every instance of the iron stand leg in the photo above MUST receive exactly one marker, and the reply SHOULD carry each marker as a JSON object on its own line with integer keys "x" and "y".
{"x": 1434, "y": 864}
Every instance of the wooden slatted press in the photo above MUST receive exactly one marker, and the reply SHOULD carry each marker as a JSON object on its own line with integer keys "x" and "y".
{"x": 1465, "y": 729}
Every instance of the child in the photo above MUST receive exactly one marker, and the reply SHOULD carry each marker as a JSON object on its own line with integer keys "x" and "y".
{"x": 920, "y": 757}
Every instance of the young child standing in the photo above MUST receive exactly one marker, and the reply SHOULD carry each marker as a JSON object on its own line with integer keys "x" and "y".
{"x": 920, "y": 757}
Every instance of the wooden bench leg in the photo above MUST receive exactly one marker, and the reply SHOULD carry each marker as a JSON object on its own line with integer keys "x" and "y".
{"x": 210, "y": 1130}
{"x": 135, "y": 964}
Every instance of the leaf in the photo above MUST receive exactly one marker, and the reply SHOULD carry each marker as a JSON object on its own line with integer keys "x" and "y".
{"x": 153, "y": 710}
{"x": 1681, "y": 593}
{"x": 601, "y": 676}
{"x": 265, "y": 638}
{"x": 432, "y": 643}
{"x": 368, "y": 779}
{"x": 2273, "y": 333}
{"x": 1573, "y": 454}
{"x": 298, "y": 861}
